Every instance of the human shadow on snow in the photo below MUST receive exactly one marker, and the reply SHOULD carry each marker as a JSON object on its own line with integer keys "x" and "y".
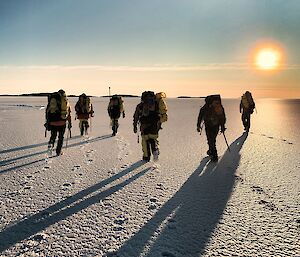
{"x": 65, "y": 208}
{"x": 184, "y": 224}
{"x": 25, "y": 147}
{"x": 12, "y": 160}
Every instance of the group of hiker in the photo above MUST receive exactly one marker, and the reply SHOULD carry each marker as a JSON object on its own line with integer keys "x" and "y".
{"x": 149, "y": 115}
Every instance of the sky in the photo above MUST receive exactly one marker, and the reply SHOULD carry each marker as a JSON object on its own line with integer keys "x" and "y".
{"x": 181, "y": 47}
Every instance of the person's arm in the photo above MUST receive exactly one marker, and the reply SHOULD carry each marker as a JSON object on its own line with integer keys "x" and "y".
{"x": 223, "y": 121}
{"x": 136, "y": 118}
{"x": 201, "y": 117}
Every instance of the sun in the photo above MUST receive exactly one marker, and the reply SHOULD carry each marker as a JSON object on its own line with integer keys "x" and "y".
{"x": 267, "y": 59}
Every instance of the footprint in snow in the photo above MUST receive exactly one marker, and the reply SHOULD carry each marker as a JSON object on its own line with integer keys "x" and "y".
{"x": 160, "y": 186}
{"x": 269, "y": 205}
{"x": 47, "y": 167}
{"x": 76, "y": 167}
{"x": 257, "y": 189}
{"x": 152, "y": 207}
{"x": 167, "y": 254}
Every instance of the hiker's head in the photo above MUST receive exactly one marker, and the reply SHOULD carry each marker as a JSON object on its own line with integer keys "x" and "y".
{"x": 146, "y": 95}
{"x": 61, "y": 92}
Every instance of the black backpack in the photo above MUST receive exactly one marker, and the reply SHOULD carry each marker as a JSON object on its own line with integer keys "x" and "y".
{"x": 149, "y": 111}
{"x": 114, "y": 106}
{"x": 53, "y": 110}
{"x": 215, "y": 112}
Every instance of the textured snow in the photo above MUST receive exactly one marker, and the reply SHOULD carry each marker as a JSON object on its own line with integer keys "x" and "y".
{"x": 99, "y": 199}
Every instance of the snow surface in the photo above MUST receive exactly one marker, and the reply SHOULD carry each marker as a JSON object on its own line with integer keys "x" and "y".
{"x": 99, "y": 199}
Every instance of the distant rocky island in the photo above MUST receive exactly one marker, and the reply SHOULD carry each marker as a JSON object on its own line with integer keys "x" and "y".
{"x": 183, "y": 96}
{"x": 134, "y": 96}
{"x": 46, "y": 94}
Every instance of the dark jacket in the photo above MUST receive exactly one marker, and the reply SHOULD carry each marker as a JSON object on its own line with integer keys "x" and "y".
{"x": 210, "y": 118}
{"x": 149, "y": 124}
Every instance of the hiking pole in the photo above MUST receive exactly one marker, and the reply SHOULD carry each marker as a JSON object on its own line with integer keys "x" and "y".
{"x": 45, "y": 132}
{"x": 226, "y": 141}
{"x": 67, "y": 140}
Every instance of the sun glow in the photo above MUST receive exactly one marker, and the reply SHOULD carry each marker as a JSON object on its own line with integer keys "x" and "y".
{"x": 267, "y": 59}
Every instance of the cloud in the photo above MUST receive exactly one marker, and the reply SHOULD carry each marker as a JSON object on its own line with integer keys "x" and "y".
{"x": 154, "y": 68}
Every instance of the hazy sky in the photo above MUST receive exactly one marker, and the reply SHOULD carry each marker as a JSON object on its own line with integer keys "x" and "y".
{"x": 182, "y": 47}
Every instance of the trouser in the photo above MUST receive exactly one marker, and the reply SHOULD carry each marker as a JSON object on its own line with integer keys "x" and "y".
{"x": 246, "y": 119}
{"x": 83, "y": 126}
{"x": 114, "y": 125}
{"x": 61, "y": 131}
{"x": 149, "y": 144}
{"x": 211, "y": 134}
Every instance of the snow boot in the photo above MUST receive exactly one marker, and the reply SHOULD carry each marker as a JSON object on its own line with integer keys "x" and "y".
{"x": 146, "y": 158}
{"x": 155, "y": 155}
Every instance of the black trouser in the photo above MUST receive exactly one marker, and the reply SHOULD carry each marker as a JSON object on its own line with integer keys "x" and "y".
{"x": 61, "y": 131}
{"x": 246, "y": 119}
{"x": 115, "y": 125}
{"x": 211, "y": 134}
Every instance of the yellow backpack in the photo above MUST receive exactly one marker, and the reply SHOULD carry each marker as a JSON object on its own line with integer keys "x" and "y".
{"x": 162, "y": 106}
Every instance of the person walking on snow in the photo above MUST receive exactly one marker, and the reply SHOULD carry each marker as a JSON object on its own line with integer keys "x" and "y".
{"x": 247, "y": 107}
{"x": 84, "y": 111}
{"x": 58, "y": 112}
{"x": 213, "y": 115}
{"x": 150, "y": 113}
{"x": 114, "y": 109}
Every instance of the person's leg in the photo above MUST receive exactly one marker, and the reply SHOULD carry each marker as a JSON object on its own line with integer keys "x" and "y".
{"x": 81, "y": 127}
{"x": 146, "y": 147}
{"x": 248, "y": 121}
{"x": 86, "y": 126}
{"x": 211, "y": 133}
{"x": 154, "y": 143}
{"x": 244, "y": 119}
{"x": 52, "y": 137}
{"x": 61, "y": 132}
{"x": 113, "y": 122}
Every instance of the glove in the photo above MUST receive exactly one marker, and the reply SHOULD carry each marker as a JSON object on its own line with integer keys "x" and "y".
{"x": 69, "y": 125}
{"x": 223, "y": 129}
{"x": 135, "y": 129}
{"x": 123, "y": 114}
{"x": 198, "y": 129}
{"x": 47, "y": 126}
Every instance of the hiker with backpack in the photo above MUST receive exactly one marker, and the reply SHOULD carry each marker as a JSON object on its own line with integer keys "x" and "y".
{"x": 115, "y": 109}
{"x": 150, "y": 113}
{"x": 58, "y": 112}
{"x": 247, "y": 107}
{"x": 213, "y": 116}
{"x": 84, "y": 111}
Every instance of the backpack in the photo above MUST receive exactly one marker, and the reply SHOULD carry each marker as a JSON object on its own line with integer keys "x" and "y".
{"x": 215, "y": 112}
{"x": 247, "y": 101}
{"x": 84, "y": 108}
{"x": 162, "y": 106}
{"x": 57, "y": 107}
{"x": 115, "y": 106}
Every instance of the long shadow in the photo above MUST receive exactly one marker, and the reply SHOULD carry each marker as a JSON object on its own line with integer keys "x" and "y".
{"x": 61, "y": 210}
{"x": 25, "y": 147}
{"x": 10, "y": 161}
{"x": 183, "y": 226}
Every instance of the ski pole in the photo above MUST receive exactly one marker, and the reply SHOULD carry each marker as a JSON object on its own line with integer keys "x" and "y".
{"x": 201, "y": 128}
{"x": 70, "y": 133}
{"x": 67, "y": 140}
{"x": 45, "y": 132}
{"x": 91, "y": 124}
{"x": 226, "y": 141}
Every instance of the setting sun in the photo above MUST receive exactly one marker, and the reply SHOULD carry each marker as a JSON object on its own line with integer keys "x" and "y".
{"x": 267, "y": 59}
